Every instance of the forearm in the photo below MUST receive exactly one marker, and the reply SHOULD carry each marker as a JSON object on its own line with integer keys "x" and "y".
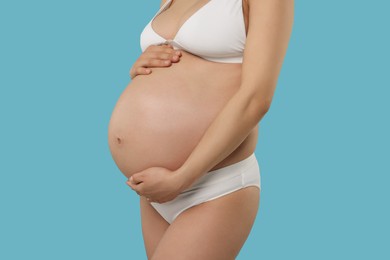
{"x": 229, "y": 129}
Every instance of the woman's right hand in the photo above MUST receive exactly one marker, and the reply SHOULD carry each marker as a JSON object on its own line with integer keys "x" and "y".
{"x": 154, "y": 56}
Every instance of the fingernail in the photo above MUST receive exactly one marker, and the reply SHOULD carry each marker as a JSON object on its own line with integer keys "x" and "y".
{"x": 167, "y": 61}
{"x": 177, "y": 52}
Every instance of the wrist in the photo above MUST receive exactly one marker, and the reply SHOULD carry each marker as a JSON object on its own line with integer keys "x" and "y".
{"x": 184, "y": 179}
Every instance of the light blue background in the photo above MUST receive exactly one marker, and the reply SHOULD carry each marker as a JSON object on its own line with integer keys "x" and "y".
{"x": 322, "y": 146}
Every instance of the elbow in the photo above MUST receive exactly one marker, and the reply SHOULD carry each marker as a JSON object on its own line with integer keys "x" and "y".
{"x": 258, "y": 106}
{"x": 257, "y": 99}
{"x": 263, "y": 104}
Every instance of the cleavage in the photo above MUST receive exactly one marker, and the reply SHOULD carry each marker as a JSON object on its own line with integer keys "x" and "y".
{"x": 170, "y": 21}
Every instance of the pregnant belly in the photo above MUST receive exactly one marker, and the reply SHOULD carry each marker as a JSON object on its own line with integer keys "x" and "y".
{"x": 159, "y": 119}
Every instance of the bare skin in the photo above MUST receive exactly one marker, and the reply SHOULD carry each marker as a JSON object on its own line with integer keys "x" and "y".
{"x": 148, "y": 99}
{"x": 154, "y": 226}
{"x": 156, "y": 56}
{"x": 222, "y": 227}
{"x": 192, "y": 92}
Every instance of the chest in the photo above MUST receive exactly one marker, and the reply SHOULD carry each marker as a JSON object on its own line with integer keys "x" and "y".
{"x": 177, "y": 13}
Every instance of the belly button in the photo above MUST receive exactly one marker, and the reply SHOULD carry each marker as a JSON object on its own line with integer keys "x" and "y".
{"x": 119, "y": 140}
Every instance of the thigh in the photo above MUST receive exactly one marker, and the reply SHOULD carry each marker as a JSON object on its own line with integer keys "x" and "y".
{"x": 213, "y": 230}
{"x": 153, "y": 226}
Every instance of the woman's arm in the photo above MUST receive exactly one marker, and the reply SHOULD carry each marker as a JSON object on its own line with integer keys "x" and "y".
{"x": 270, "y": 26}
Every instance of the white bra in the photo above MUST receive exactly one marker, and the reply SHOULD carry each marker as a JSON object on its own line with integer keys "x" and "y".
{"x": 215, "y": 32}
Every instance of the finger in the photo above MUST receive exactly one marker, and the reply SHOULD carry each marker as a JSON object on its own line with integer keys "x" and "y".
{"x": 160, "y": 60}
{"x": 139, "y": 71}
{"x": 159, "y": 47}
{"x": 168, "y": 51}
{"x": 136, "y": 188}
{"x": 132, "y": 73}
{"x": 175, "y": 58}
{"x": 140, "y": 189}
{"x": 165, "y": 54}
{"x": 137, "y": 178}
{"x": 142, "y": 71}
{"x": 172, "y": 56}
{"x": 162, "y": 53}
{"x": 177, "y": 52}
{"x": 143, "y": 65}
{"x": 132, "y": 186}
{"x": 157, "y": 54}
{"x": 164, "y": 45}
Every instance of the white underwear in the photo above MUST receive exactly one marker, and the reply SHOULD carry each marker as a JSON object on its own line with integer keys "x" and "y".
{"x": 212, "y": 185}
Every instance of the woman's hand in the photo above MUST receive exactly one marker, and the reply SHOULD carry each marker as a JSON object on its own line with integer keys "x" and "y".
{"x": 154, "y": 56}
{"x": 157, "y": 184}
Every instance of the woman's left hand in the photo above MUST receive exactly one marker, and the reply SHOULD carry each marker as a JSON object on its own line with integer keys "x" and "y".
{"x": 157, "y": 184}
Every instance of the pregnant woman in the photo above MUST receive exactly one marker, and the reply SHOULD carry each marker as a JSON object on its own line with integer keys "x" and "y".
{"x": 185, "y": 133}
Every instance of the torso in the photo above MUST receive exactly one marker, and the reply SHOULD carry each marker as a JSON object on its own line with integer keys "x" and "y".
{"x": 159, "y": 118}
